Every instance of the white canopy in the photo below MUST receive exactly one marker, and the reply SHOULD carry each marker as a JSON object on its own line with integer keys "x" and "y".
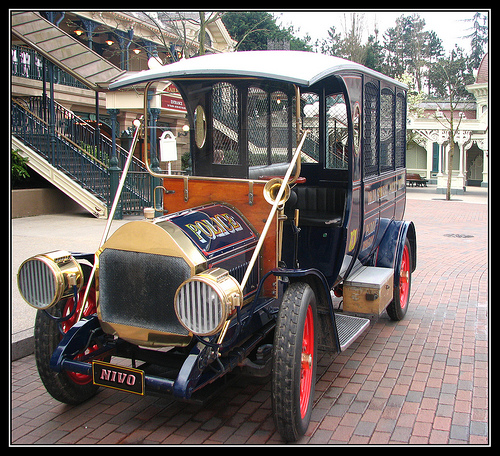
{"x": 297, "y": 67}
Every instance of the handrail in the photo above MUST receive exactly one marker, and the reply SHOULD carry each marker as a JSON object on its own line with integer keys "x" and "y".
{"x": 83, "y": 151}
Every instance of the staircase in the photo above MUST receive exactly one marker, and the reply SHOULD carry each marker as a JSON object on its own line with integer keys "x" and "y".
{"x": 69, "y": 153}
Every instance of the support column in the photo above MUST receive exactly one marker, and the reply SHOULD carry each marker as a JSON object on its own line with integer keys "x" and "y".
{"x": 440, "y": 137}
{"x": 483, "y": 145}
{"x": 484, "y": 183}
{"x": 114, "y": 169}
{"x": 154, "y": 114}
{"x": 124, "y": 41}
{"x": 89, "y": 27}
{"x": 428, "y": 158}
{"x": 462, "y": 138}
{"x": 52, "y": 116}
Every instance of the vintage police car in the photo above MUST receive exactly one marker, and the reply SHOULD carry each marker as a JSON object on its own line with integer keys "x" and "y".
{"x": 297, "y": 193}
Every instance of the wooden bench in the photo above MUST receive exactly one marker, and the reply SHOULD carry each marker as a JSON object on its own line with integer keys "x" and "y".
{"x": 415, "y": 180}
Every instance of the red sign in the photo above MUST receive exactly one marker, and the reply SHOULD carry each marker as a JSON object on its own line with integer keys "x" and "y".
{"x": 170, "y": 102}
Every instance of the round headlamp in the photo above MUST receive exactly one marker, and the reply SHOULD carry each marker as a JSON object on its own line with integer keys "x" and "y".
{"x": 44, "y": 280}
{"x": 204, "y": 302}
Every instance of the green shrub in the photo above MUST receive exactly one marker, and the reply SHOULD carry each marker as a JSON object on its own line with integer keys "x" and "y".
{"x": 19, "y": 170}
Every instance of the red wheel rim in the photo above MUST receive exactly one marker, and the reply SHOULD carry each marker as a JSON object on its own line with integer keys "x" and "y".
{"x": 306, "y": 370}
{"x": 404, "y": 278}
{"x": 90, "y": 309}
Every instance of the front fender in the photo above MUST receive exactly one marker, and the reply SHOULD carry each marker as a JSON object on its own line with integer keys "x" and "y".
{"x": 75, "y": 340}
{"x": 328, "y": 338}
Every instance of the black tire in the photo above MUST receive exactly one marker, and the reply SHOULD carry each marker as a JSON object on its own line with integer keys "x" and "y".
{"x": 402, "y": 286}
{"x": 60, "y": 385}
{"x": 292, "y": 407}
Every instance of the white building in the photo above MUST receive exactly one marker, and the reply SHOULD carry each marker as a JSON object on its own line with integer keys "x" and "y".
{"x": 428, "y": 154}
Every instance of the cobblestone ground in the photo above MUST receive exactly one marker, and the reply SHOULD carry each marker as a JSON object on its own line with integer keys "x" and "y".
{"x": 423, "y": 380}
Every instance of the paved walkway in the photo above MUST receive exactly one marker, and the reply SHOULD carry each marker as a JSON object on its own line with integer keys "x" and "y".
{"x": 424, "y": 380}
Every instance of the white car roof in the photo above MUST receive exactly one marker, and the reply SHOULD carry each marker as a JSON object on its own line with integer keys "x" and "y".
{"x": 297, "y": 67}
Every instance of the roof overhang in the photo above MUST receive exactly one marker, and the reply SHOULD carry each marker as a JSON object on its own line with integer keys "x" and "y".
{"x": 297, "y": 67}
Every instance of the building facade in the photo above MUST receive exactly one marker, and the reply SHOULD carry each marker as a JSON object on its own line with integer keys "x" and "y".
{"x": 427, "y": 152}
{"x": 127, "y": 41}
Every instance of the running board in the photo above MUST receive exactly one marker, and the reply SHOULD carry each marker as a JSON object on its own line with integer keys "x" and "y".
{"x": 349, "y": 328}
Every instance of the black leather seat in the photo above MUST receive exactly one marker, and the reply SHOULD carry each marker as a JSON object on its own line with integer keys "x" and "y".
{"x": 318, "y": 206}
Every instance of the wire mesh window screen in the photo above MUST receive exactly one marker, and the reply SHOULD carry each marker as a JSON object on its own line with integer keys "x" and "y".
{"x": 280, "y": 119}
{"x": 400, "y": 130}
{"x": 258, "y": 126}
{"x": 370, "y": 131}
{"x": 269, "y": 127}
{"x": 309, "y": 103}
{"x": 386, "y": 130}
{"x": 336, "y": 134}
{"x": 225, "y": 108}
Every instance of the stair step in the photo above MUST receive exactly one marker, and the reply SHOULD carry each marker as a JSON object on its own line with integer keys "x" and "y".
{"x": 349, "y": 328}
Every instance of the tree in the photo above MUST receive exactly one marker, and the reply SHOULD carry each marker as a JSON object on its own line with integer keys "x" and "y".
{"x": 252, "y": 30}
{"x": 330, "y": 45}
{"x": 455, "y": 75}
{"x": 456, "y": 66}
{"x": 206, "y": 20}
{"x": 478, "y": 38}
{"x": 349, "y": 46}
{"x": 373, "y": 54}
{"x": 352, "y": 49}
{"x": 410, "y": 48}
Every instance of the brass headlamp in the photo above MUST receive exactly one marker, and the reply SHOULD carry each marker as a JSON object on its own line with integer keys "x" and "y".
{"x": 45, "y": 279}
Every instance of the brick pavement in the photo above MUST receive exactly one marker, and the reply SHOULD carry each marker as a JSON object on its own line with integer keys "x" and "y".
{"x": 423, "y": 380}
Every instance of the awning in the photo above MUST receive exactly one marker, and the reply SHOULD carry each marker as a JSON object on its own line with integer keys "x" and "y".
{"x": 63, "y": 50}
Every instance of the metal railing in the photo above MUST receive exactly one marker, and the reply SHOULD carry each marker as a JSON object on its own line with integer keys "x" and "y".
{"x": 72, "y": 145}
{"x": 27, "y": 63}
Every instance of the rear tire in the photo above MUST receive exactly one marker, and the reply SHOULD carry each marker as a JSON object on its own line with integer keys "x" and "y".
{"x": 294, "y": 363}
{"x": 399, "y": 306}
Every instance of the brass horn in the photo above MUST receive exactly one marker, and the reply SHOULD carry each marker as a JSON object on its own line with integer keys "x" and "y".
{"x": 272, "y": 188}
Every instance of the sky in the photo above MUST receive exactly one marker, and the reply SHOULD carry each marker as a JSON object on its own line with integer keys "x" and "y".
{"x": 446, "y": 23}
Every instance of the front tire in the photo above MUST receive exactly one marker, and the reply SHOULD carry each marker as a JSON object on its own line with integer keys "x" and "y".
{"x": 294, "y": 363}
{"x": 68, "y": 387}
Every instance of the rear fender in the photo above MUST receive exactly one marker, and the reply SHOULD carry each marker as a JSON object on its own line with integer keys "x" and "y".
{"x": 390, "y": 249}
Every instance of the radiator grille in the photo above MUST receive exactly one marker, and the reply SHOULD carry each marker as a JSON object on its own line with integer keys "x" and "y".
{"x": 137, "y": 289}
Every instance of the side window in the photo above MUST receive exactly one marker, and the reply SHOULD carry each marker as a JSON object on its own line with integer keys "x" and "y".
{"x": 200, "y": 126}
{"x": 370, "y": 131}
{"x": 309, "y": 106}
{"x": 225, "y": 131}
{"x": 336, "y": 132}
{"x": 386, "y": 130}
{"x": 400, "y": 130}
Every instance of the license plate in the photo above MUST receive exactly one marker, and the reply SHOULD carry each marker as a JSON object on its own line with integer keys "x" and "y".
{"x": 118, "y": 377}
